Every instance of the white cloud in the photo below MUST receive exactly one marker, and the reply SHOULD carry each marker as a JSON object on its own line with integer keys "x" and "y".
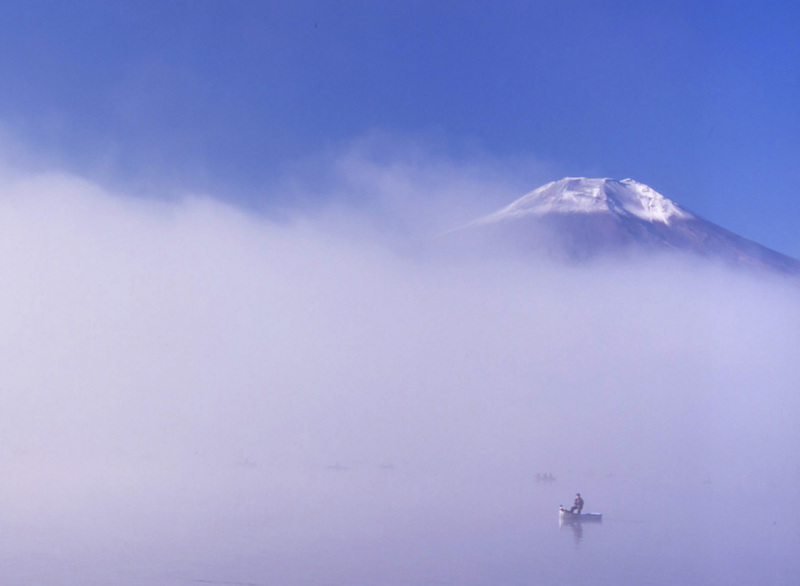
{"x": 192, "y": 361}
{"x": 409, "y": 186}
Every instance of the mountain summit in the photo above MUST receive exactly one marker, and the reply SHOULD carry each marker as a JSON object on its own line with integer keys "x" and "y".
{"x": 579, "y": 219}
{"x": 579, "y": 195}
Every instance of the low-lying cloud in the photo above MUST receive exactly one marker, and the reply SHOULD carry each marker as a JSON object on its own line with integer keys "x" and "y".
{"x": 193, "y": 358}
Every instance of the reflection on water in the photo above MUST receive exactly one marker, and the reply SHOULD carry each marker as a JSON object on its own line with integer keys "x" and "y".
{"x": 576, "y": 528}
{"x": 575, "y": 525}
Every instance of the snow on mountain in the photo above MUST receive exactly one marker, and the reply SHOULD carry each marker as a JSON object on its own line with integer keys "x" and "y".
{"x": 582, "y": 195}
{"x": 580, "y": 219}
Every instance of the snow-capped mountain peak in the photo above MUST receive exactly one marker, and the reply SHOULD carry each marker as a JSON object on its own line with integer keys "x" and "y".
{"x": 585, "y": 195}
{"x": 577, "y": 219}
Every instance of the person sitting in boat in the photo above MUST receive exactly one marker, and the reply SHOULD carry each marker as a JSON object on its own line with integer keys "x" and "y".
{"x": 577, "y": 506}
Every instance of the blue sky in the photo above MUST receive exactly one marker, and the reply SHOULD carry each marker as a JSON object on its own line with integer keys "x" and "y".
{"x": 697, "y": 99}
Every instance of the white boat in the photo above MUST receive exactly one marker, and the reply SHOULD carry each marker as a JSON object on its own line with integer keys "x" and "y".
{"x": 565, "y": 516}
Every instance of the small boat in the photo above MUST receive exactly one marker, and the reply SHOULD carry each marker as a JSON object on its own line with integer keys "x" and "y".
{"x": 565, "y": 516}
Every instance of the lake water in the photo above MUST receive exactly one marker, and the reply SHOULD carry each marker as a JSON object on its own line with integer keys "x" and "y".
{"x": 389, "y": 525}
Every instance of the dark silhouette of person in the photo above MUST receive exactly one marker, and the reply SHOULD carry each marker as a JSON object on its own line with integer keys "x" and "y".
{"x": 577, "y": 506}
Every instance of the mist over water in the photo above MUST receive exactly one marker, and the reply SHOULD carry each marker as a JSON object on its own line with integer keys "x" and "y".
{"x": 191, "y": 394}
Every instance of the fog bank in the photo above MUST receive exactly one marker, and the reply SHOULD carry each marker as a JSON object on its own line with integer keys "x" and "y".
{"x": 184, "y": 368}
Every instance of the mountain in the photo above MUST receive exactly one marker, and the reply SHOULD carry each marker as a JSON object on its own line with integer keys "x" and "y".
{"x": 577, "y": 219}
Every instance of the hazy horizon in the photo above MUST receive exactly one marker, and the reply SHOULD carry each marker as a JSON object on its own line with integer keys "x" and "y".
{"x": 186, "y": 384}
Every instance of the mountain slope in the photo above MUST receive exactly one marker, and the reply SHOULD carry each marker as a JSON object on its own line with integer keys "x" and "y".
{"x": 580, "y": 219}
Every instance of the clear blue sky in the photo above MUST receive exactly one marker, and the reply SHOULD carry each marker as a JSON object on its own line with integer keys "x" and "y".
{"x": 697, "y": 99}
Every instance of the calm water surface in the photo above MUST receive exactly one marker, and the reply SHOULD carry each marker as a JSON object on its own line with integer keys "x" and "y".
{"x": 376, "y": 526}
